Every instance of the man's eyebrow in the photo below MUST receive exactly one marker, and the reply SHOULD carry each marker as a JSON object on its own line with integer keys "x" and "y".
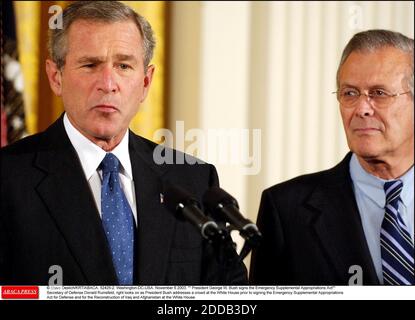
{"x": 347, "y": 85}
{"x": 126, "y": 57}
{"x": 87, "y": 59}
{"x": 374, "y": 86}
{"x": 118, "y": 57}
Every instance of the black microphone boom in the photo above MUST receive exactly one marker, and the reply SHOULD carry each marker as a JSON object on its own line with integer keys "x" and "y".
{"x": 183, "y": 204}
{"x": 223, "y": 205}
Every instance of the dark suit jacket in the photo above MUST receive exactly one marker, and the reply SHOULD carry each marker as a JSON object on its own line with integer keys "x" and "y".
{"x": 312, "y": 232}
{"x": 48, "y": 217}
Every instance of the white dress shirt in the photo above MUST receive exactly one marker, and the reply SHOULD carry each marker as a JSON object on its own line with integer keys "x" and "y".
{"x": 91, "y": 155}
{"x": 370, "y": 198}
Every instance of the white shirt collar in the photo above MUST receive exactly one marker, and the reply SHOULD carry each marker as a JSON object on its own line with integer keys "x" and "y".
{"x": 91, "y": 154}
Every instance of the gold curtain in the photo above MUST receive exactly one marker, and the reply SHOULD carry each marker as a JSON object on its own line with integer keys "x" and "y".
{"x": 42, "y": 107}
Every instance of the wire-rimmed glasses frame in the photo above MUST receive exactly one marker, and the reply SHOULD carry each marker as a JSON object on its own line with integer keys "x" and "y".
{"x": 348, "y": 97}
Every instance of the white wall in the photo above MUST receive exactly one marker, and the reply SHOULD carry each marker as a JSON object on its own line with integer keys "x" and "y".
{"x": 271, "y": 66}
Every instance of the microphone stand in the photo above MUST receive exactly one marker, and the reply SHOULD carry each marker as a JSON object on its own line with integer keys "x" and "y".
{"x": 226, "y": 255}
{"x": 252, "y": 240}
{"x": 226, "y": 249}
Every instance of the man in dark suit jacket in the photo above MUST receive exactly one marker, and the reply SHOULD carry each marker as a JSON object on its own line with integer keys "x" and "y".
{"x": 325, "y": 228}
{"x": 311, "y": 236}
{"x": 50, "y": 213}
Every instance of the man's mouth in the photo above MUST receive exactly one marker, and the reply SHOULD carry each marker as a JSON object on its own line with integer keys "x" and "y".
{"x": 107, "y": 108}
{"x": 366, "y": 130}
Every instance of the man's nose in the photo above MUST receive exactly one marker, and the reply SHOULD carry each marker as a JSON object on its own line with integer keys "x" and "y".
{"x": 364, "y": 106}
{"x": 107, "y": 82}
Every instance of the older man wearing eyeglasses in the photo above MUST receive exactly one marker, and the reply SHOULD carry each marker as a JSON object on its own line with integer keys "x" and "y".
{"x": 354, "y": 223}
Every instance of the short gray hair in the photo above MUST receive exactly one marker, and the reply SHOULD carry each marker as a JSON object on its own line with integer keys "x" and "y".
{"x": 100, "y": 11}
{"x": 371, "y": 40}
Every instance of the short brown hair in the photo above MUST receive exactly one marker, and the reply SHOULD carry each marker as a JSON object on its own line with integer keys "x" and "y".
{"x": 101, "y": 11}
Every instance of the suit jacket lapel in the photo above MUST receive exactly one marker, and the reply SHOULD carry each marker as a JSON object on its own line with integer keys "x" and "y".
{"x": 338, "y": 224}
{"x": 155, "y": 224}
{"x": 67, "y": 195}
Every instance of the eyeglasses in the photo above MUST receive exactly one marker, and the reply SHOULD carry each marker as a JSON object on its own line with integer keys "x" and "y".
{"x": 348, "y": 97}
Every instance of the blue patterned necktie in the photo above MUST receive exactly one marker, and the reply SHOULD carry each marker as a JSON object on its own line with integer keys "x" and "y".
{"x": 117, "y": 220}
{"x": 397, "y": 247}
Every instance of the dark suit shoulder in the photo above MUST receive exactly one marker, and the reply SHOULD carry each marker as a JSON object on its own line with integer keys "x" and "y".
{"x": 166, "y": 152}
{"x": 308, "y": 182}
{"x": 173, "y": 162}
{"x": 29, "y": 144}
{"x": 298, "y": 184}
{"x": 297, "y": 191}
{"x": 16, "y": 160}
{"x": 52, "y": 138}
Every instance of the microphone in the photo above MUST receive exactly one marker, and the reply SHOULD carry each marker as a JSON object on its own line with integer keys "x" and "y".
{"x": 184, "y": 205}
{"x": 222, "y": 204}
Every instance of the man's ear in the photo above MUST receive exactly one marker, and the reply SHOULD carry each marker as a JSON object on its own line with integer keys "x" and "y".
{"x": 54, "y": 76}
{"x": 147, "y": 81}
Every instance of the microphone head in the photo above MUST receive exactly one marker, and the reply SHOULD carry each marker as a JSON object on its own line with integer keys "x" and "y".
{"x": 175, "y": 196}
{"x": 215, "y": 196}
{"x": 185, "y": 207}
